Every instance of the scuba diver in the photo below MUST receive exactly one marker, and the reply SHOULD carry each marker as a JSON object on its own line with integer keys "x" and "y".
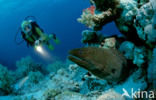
{"x": 35, "y": 36}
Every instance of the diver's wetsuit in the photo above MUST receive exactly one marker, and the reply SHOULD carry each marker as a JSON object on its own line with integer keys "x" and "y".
{"x": 34, "y": 35}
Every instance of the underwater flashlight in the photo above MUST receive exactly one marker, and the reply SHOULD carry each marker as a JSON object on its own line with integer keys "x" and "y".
{"x": 42, "y": 52}
{"x": 39, "y": 49}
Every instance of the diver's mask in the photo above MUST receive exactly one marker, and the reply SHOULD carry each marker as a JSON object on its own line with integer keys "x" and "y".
{"x": 26, "y": 27}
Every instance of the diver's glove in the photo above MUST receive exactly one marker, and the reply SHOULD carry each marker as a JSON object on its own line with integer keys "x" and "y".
{"x": 52, "y": 36}
{"x": 37, "y": 42}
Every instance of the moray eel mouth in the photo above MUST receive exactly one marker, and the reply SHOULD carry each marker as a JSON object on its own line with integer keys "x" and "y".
{"x": 77, "y": 57}
{"x": 103, "y": 63}
{"x": 77, "y": 60}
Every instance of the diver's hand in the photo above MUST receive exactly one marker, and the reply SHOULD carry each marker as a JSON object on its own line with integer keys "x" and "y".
{"x": 37, "y": 42}
{"x": 52, "y": 36}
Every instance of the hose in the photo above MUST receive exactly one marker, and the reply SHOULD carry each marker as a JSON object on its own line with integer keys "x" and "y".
{"x": 29, "y": 17}
{"x": 15, "y": 39}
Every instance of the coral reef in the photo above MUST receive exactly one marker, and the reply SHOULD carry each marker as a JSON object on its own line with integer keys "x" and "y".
{"x": 67, "y": 95}
{"x": 152, "y": 71}
{"x": 102, "y": 19}
{"x": 117, "y": 63}
{"x": 136, "y": 20}
{"x": 108, "y": 4}
{"x": 24, "y": 98}
{"x": 111, "y": 95}
{"x": 108, "y": 12}
{"x": 69, "y": 83}
{"x": 91, "y": 37}
{"x": 109, "y": 43}
{"x": 87, "y": 17}
{"x": 60, "y": 85}
{"x": 27, "y": 75}
{"x": 132, "y": 52}
{"x": 63, "y": 80}
{"x": 26, "y": 65}
{"x": 127, "y": 48}
{"x": 6, "y": 81}
{"x": 143, "y": 22}
{"x": 128, "y": 20}
{"x": 54, "y": 67}
{"x": 50, "y": 94}
{"x": 132, "y": 17}
{"x": 35, "y": 77}
{"x": 139, "y": 56}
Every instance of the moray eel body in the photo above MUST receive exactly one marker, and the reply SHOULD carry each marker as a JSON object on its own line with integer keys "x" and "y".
{"x": 108, "y": 64}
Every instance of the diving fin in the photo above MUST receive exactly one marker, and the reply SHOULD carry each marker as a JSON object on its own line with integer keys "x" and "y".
{"x": 51, "y": 47}
{"x": 52, "y": 36}
{"x": 57, "y": 41}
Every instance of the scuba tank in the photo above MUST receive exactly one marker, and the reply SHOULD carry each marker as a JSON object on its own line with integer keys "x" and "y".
{"x": 18, "y": 42}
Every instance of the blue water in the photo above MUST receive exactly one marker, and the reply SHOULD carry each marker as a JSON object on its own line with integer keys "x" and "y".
{"x": 53, "y": 16}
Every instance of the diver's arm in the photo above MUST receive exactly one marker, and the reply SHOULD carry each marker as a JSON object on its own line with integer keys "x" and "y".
{"x": 24, "y": 37}
{"x": 42, "y": 35}
{"x": 55, "y": 39}
{"x": 38, "y": 30}
{"x": 54, "y": 36}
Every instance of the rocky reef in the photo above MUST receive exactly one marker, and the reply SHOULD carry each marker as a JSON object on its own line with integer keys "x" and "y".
{"x": 107, "y": 68}
{"x": 66, "y": 82}
{"x": 6, "y": 80}
{"x": 136, "y": 20}
{"x": 91, "y": 37}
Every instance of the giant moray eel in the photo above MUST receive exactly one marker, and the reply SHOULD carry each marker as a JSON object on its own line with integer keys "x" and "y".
{"x": 108, "y": 64}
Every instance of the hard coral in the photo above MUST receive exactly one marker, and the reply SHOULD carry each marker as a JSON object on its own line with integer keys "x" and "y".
{"x": 111, "y": 95}
{"x": 6, "y": 81}
{"x": 132, "y": 52}
{"x": 35, "y": 77}
{"x": 127, "y": 14}
{"x": 91, "y": 37}
{"x": 104, "y": 14}
{"x": 102, "y": 19}
{"x": 109, "y": 43}
{"x": 26, "y": 65}
{"x": 54, "y": 67}
{"x": 143, "y": 22}
{"x": 96, "y": 21}
{"x": 87, "y": 17}
{"x": 152, "y": 71}
{"x": 127, "y": 48}
{"x": 103, "y": 5}
{"x": 50, "y": 94}
{"x": 91, "y": 9}
{"x": 67, "y": 95}
{"x": 24, "y": 98}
